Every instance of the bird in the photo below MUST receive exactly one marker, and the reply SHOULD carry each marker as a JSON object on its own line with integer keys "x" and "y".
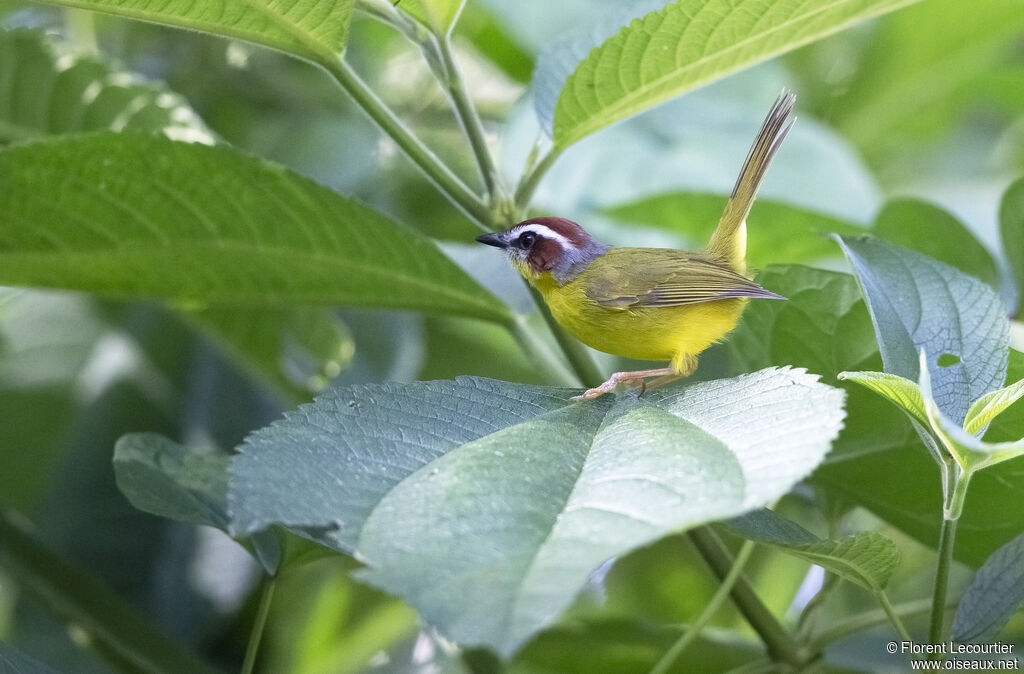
{"x": 649, "y": 303}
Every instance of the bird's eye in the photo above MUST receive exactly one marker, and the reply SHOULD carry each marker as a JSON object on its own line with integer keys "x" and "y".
{"x": 526, "y": 239}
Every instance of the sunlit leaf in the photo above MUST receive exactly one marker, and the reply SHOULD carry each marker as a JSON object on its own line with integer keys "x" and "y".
{"x": 438, "y": 15}
{"x": 989, "y": 406}
{"x": 486, "y": 505}
{"x": 918, "y": 303}
{"x": 904, "y": 393}
{"x": 138, "y": 216}
{"x": 307, "y": 28}
{"x": 867, "y": 559}
{"x": 689, "y": 43}
{"x": 45, "y": 89}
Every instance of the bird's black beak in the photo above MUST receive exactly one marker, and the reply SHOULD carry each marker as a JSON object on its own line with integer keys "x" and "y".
{"x": 495, "y": 239}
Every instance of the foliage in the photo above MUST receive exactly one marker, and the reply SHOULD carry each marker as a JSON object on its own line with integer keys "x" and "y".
{"x": 280, "y": 333}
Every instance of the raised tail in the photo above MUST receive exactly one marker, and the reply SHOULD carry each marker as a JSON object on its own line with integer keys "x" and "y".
{"x": 729, "y": 241}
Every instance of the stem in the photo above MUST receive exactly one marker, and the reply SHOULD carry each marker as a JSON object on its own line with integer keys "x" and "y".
{"x": 673, "y": 653}
{"x": 780, "y": 646}
{"x": 266, "y": 597}
{"x": 467, "y": 114}
{"x": 436, "y": 171}
{"x": 901, "y": 629}
{"x": 532, "y": 346}
{"x": 952, "y": 507}
{"x": 529, "y": 183}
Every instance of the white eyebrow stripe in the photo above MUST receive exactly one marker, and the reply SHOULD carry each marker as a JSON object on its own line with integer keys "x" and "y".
{"x": 544, "y": 231}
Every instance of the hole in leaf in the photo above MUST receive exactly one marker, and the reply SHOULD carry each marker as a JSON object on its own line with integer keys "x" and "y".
{"x": 947, "y": 359}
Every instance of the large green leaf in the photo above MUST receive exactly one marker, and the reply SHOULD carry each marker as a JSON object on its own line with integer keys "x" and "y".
{"x": 134, "y": 216}
{"x": 438, "y": 15}
{"x": 486, "y": 505}
{"x": 689, "y": 43}
{"x": 308, "y": 28}
{"x": 918, "y": 303}
{"x": 866, "y": 559}
{"x": 778, "y": 233}
{"x": 45, "y": 89}
{"x": 926, "y": 228}
{"x": 14, "y": 662}
{"x": 993, "y": 596}
{"x": 1011, "y": 228}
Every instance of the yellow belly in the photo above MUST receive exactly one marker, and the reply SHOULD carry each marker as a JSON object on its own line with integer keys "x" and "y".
{"x": 646, "y": 333}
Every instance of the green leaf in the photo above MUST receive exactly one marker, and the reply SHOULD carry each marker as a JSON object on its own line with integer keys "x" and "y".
{"x": 437, "y": 15}
{"x": 689, "y": 43}
{"x": 918, "y": 303}
{"x": 46, "y": 89}
{"x": 76, "y": 597}
{"x": 209, "y": 225}
{"x": 778, "y": 233}
{"x": 904, "y": 393}
{"x": 1011, "y": 229}
{"x": 970, "y": 452}
{"x": 866, "y": 559}
{"x": 486, "y": 505}
{"x": 311, "y": 29}
{"x": 559, "y": 57}
{"x": 926, "y": 228}
{"x": 164, "y": 478}
{"x": 994, "y": 595}
{"x": 989, "y": 406}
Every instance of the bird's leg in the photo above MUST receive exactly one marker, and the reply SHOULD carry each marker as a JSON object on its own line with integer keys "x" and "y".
{"x": 624, "y": 378}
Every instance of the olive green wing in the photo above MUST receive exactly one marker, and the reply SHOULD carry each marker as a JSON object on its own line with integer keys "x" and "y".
{"x": 661, "y": 277}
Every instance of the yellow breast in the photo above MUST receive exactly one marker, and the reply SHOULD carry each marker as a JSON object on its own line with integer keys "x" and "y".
{"x": 646, "y": 333}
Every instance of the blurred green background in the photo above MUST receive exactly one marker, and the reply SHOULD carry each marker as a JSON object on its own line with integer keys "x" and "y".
{"x": 927, "y": 102}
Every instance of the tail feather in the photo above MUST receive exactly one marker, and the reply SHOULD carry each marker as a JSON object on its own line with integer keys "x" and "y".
{"x": 729, "y": 241}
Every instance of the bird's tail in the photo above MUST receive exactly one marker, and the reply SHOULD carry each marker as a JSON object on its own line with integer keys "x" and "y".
{"x": 729, "y": 241}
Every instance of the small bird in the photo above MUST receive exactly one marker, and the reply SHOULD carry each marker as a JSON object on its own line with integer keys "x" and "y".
{"x": 649, "y": 303}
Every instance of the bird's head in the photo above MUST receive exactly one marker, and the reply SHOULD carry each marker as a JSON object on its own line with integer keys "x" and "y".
{"x": 547, "y": 245}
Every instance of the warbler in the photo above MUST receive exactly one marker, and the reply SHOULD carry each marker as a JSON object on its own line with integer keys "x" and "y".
{"x": 649, "y": 303}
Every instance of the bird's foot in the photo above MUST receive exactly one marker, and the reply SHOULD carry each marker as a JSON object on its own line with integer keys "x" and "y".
{"x": 634, "y": 378}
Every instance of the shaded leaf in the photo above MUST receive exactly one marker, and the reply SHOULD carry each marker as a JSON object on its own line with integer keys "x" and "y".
{"x": 1011, "y": 229}
{"x": 486, "y": 505}
{"x": 918, "y": 303}
{"x": 139, "y": 216}
{"x": 866, "y": 559}
{"x": 45, "y": 89}
{"x": 308, "y": 28}
{"x": 686, "y": 44}
{"x": 994, "y": 595}
{"x": 926, "y": 228}
{"x": 164, "y": 478}
{"x": 15, "y": 662}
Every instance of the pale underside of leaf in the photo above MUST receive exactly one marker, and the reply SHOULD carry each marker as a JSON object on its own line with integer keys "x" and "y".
{"x": 689, "y": 43}
{"x": 993, "y": 596}
{"x": 487, "y": 505}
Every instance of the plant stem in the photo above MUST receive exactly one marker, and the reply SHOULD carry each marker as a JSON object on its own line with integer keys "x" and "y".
{"x": 530, "y": 181}
{"x": 468, "y": 117}
{"x": 695, "y": 628}
{"x": 901, "y": 629}
{"x": 532, "y": 346}
{"x": 436, "y": 171}
{"x": 780, "y": 646}
{"x": 256, "y": 635}
{"x": 956, "y": 483}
